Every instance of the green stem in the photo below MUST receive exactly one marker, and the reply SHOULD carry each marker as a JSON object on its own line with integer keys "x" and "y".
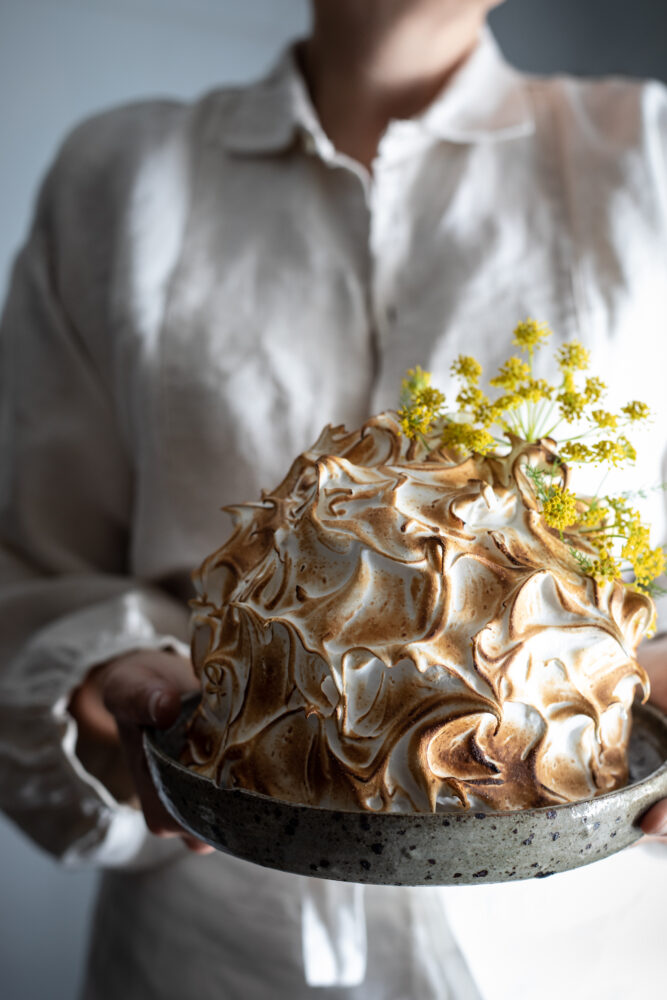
{"x": 519, "y": 417}
{"x": 550, "y": 405}
{"x": 548, "y": 433}
{"x": 599, "y": 531}
{"x": 533, "y": 412}
{"x": 602, "y": 482}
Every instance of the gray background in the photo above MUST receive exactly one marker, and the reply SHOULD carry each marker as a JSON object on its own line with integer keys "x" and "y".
{"x": 63, "y": 59}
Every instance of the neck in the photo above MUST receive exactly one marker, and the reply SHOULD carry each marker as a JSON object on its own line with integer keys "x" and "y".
{"x": 368, "y": 62}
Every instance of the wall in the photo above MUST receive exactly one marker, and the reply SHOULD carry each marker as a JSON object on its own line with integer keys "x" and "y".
{"x": 587, "y": 37}
{"x": 62, "y": 60}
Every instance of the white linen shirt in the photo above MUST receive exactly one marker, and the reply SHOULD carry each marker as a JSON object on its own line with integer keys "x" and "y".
{"x": 204, "y": 287}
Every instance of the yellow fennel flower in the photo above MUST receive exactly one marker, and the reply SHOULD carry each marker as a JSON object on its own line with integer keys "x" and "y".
{"x": 594, "y": 389}
{"x": 470, "y": 396}
{"x": 466, "y": 437}
{"x": 613, "y": 452}
{"x": 573, "y": 356}
{"x": 418, "y": 417}
{"x": 637, "y": 542}
{"x": 506, "y": 403}
{"x": 594, "y": 516}
{"x": 422, "y": 404}
{"x": 467, "y": 368}
{"x": 511, "y": 373}
{"x": 648, "y": 565}
{"x": 571, "y": 404}
{"x": 575, "y": 451}
{"x": 416, "y": 420}
{"x": 636, "y": 410}
{"x": 560, "y": 508}
{"x": 534, "y": 390}
{"x": 415, "y": 380}
{"x": 476, "y": 406}
{"x": 607, "y": 537}
{"x": 604, "y": 419}
{"x": 605, "y": 567}
{"x": 431, "y": 399}
{"x": 530, "y": 334}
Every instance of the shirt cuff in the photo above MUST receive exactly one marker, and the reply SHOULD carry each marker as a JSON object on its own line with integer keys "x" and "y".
{"x": 44, "y": 786}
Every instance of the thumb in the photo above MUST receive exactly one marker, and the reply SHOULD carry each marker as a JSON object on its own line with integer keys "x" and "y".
{"x": 654, "y": 822}
{"x": 145, "y": 687}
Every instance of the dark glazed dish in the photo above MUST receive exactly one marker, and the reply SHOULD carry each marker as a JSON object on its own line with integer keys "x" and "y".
{"x": 456, "y": 848}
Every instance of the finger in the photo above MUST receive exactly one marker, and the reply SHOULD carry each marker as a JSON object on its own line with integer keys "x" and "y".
{"x": 654, "y": 822}
{"x": 158, "y": 819}
{"x": 198, "y": 846}
{"x": 145, "y": 688}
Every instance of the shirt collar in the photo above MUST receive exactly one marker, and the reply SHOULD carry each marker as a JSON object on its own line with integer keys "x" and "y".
{"x": 485, "y": 100}
{"x": 265, "y": 117}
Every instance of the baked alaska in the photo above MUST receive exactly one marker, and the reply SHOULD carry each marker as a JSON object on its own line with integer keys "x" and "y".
{"x": 397, "y": 627}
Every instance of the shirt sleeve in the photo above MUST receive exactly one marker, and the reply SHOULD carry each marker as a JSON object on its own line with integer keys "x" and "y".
{"x": 68, "y": 599}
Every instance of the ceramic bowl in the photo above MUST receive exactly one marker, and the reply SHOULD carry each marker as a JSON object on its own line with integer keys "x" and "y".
{"x": 411, "y": 849}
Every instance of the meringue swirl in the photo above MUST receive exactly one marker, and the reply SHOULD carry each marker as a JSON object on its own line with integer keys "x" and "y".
{"x": 397, "y": 630}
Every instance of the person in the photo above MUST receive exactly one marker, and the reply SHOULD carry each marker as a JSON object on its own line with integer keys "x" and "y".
{"x": 205, "y": 285}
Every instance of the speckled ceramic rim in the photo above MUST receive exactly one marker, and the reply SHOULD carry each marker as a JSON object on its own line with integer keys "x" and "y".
{"x": 415, "y": 849}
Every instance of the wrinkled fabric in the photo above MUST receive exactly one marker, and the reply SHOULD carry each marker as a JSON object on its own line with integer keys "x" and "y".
{"x": 215, "y": 927}
{"x": 333, "y": 932}
{"x": 204, "y": 287}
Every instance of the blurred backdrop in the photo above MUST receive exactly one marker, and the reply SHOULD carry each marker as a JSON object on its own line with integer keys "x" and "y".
{"x": 61, "y": 60}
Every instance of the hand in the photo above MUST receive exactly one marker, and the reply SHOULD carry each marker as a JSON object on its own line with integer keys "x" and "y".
{"x": 113, "y": 704}
{"x": 653, "y": 658}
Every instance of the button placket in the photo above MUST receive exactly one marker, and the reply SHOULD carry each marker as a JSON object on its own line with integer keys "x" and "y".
{"x": 373, "y": 236}
{"x": 384, "y": 243}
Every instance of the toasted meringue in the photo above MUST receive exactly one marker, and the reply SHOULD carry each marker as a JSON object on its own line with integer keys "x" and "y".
{"x": 397, "y": 630}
